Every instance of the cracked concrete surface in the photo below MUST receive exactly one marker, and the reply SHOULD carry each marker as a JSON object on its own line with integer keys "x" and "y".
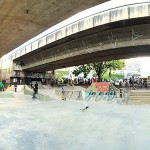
{"x": 27, "y": 124}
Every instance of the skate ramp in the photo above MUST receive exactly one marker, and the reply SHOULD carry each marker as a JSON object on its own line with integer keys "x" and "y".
{"x": 10, "y": 88}
{"x": 20, "y": 88}
{"x": 43, "y": 94}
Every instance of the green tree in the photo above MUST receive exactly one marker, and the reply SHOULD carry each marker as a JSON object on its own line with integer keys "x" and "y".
{"x": 115, "y": 65}
{"x": 99, "y": 68}
{"x": 85, "y": 69}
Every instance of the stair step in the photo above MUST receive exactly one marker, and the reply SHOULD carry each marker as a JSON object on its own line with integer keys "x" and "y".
{"x": 139, "y": 94}
{"x": 133, "y": 98}
{"x": 138, "y": 103}
{"x": 136, "y": 98}
{"x": 139, "y": 100}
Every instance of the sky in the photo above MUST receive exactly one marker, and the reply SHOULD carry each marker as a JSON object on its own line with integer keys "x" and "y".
{"x": 111, "y": 4}
{"x": 144, "y": 63}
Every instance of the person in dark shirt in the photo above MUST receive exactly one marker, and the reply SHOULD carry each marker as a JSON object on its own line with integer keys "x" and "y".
{"x": 35, "y": 90}
{"x": 15, "y": 86}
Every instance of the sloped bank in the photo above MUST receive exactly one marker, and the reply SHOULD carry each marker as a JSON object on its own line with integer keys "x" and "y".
{"x": 43, "y": 94}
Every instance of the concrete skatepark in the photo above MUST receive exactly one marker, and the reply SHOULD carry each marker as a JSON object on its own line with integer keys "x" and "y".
{"x": 48, "y": 123}
{"x": 28, "y": 124}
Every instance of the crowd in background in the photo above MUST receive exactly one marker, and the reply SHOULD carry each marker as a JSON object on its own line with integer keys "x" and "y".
{"x": 133, "y": 83}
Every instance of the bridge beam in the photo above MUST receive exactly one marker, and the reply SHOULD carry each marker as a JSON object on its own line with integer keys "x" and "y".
{"x": 107, "y": 45}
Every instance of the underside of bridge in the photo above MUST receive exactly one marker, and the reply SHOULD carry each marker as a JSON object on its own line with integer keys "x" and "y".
{"x": 22, "y": 20}
{"x": 118, "y": 40}
{"x": 123, "y": 53}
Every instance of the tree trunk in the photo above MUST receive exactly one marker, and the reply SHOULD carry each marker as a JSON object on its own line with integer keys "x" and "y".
{"x": 110, "y": 73}
{"x": 99, "y": 75}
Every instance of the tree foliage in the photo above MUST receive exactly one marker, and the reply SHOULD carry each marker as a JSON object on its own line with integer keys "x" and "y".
{"x": 99, "y": 68}
{"x": 85, "y": 69}
{"x": 115, "y": 65}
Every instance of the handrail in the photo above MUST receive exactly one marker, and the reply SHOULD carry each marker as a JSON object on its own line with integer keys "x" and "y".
{"x": 116, "y": 90}
{"x": 124, "y": 95}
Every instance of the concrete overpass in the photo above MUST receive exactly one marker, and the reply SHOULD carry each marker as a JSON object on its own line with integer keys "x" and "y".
{"x": 22, "y": 20}
{"x": 120, "y": 32}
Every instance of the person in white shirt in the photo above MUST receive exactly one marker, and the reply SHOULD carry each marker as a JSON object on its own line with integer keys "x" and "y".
{"x": 84, "y": 102}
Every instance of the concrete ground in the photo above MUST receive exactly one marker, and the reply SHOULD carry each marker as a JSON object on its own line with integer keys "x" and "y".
{"x": 27, "y": 124}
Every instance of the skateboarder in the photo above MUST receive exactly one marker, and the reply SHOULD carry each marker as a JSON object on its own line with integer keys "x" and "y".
{"x": 84, "y": 102}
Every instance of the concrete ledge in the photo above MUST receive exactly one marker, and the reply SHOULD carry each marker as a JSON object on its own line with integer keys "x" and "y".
{"x": 6, "y": 95}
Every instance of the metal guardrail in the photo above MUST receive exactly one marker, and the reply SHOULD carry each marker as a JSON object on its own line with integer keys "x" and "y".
{"x": 117, "y": 91}
{"x": 124, "y": 95}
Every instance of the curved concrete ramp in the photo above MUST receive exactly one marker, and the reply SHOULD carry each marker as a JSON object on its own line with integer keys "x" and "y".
{"x": 7, "y": 94}
{"x": 43, "y": 94}
{"x": 20, "y": 88}
{"x": 10, "y": 88}
{"x": 39, "y": 84}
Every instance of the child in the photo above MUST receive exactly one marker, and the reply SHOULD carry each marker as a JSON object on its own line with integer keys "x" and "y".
{"x": 63, "y": 93}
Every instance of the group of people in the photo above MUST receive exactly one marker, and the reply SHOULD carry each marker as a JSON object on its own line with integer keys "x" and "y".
{"x": 2, "y": 86}
{"x": 128, "y": 84}
{"x": 133, "y": 84}
{"x": 125, "y": 84}
{"x": 63, "y": 96}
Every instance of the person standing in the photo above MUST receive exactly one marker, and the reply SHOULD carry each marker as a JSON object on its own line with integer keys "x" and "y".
{"x": 15, "y": 86}
{"x": 133, "y": 80}
{"x": 35, "y": 89}
{"x": 63, "y": 93}
{"x": 1, "y": 86}
{"x": 84, "y": 102}
{"x": 125, "y": 84}
{"x": 31, "y": 85}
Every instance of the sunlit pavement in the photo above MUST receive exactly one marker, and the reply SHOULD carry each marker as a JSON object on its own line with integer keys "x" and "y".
{"x": 27, "y": 124}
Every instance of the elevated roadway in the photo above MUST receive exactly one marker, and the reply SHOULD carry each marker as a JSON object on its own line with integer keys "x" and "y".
{"x": 118, "y": 32}
{"x": 21, "y": 20}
